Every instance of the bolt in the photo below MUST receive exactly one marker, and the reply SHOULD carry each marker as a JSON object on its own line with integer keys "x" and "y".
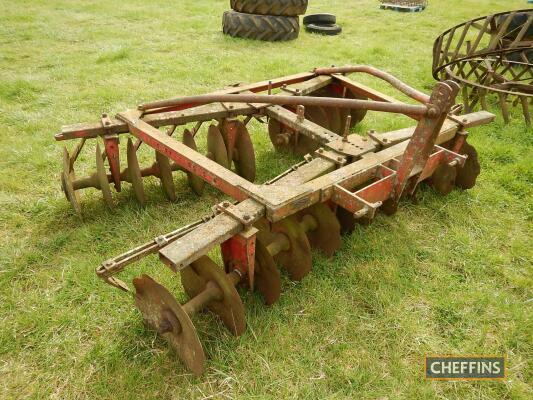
{"x": 226, "y": 204}
{"x": 340, "y": 159}
{"x": 432, "y": 112}
{"x": 246, "y": 217}
{"x": 321, "y": 150}
{"x": 104, "y": 115}
{"x": 300, "y": 113}
{"x": 346, "y": 128}
{"x": 107, "y": 123}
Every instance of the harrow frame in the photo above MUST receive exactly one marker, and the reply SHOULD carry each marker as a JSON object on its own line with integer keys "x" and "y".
{"x": 356, "y": 174}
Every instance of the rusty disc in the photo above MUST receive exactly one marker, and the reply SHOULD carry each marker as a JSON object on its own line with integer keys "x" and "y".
{"x": 167, "y": 317}
{"x": 297, "y": 258}
{"x": 134, "y": 173}
{"x": 274, "y": 132}
{"x": 101, "y": 175}
{"x": 336, "y": 123}
{"x": 216, "y": 148}
{"x": 330, "y": 117}
{"x": 165, "y": 175}
{"x": 443, "y": 179}
{"x": 229, "y": 308}
{"x": 285, "y": 141}
{"x": 348, "y": 221}
{"x": 67, "y": 179}
{"x": 305, "y": 145}
{"x": 318, "y": 115}
{"x": 195, "y": 183}
{"x": 468, "y": 173}
{"x": 326, "y": 235}
{"x": 243, "y": 153}
{"x": 266, "y": 274}
{"x": 357, "y": 115}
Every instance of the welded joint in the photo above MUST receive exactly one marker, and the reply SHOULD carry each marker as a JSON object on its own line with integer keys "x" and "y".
{"x": 364, "y": 207}
{"x": 453, "y": 158}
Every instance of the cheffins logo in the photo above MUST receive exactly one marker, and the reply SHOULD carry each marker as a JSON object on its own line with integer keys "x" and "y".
{"x": 464, "y": 368}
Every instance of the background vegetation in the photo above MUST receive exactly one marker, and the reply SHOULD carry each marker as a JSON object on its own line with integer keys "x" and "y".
{"x": 450, "y": 275}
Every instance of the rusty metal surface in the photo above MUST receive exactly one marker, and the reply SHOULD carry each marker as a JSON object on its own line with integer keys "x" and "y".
{"x": 292, "y": 248}
{"x": 325, "y": 234}
{"x": 391, "y": 79}
{"x": 223, "y": 299}
{"x": 193, "y": 101}
{"x": 163, "y": 314}
{"x": 492, "y": 58}
{"x": 282, "y": 220}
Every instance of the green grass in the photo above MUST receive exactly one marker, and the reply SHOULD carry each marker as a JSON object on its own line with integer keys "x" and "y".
{"x": 449, "y": 275}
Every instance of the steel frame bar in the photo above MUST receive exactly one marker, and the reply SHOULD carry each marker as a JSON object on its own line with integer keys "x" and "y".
{"x": 320, "y": 176}
{"x": 374, "y": 170}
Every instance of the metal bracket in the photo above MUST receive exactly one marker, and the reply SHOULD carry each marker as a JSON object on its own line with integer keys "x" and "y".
{"x": 332, "y": 156}
{"x": 227, "y": 208}
{"x": 106, "y": 121}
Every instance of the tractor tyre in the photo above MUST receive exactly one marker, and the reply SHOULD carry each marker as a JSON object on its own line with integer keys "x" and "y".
{"x": 260, "y": 27}
{"x": 284, "y": 8}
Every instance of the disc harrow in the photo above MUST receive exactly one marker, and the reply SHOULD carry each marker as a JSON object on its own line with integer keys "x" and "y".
{"x": 225, "y": 149}
{"x": 492, "y": 58}
{"x": 344, "y": 179}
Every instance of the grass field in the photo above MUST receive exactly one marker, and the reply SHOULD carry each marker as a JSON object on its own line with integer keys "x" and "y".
{"x": 450, "y": 275}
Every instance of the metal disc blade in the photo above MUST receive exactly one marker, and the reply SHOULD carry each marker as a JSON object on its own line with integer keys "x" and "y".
{"x": 134, "y": 171}
{"x": 443, "y": 179}
{"x": 267, "y": 276}
{"x": 195, "y": 183}
{"x": 357, "y": 115}
{"x": 274, "y": 132}
{"x": 165, "y": 175}
{"x": 216, "y": 148}
{"x": 244, "y": 155}
{"x": 101, "y": 175}
{"x": 317, "y": 115}
{"x": 468, "y": 173}
{"x": 335, "y": 123}
{"x": 165, "y": 315}
{"x": 326, "y": 235}
{"x": 329, "y": 117}
{"x": 67, "y": 178}
{"x": 297, "y": 259}
{"x": 230, "y": 308}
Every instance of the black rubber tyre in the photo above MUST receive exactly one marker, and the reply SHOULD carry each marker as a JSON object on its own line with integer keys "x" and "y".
{"x": 285, "y": 8}
{"x": 260, "y": 27}
{"x": 320, "y": 19}
{"x": 330, "y": 29}
{"x": 514, "y": 27}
